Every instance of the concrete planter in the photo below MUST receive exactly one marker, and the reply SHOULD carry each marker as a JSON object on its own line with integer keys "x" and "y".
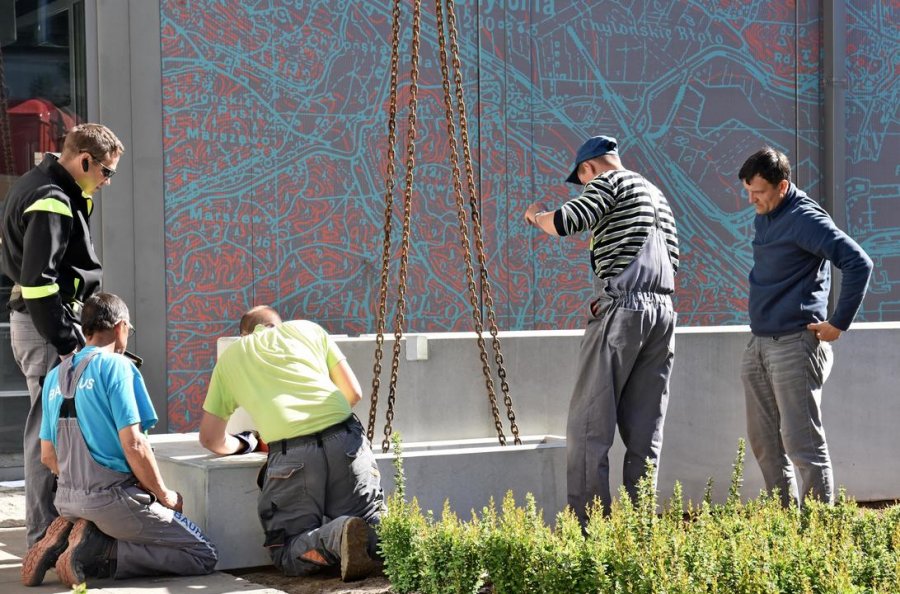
{"x": 220, "y": 492}
{"x": 469, "y": 472}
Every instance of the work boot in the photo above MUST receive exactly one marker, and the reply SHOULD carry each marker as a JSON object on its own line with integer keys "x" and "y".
{"x": 44, "y": 553}
{"x": 88, "y": 549}
{"x": 355, "y": 561}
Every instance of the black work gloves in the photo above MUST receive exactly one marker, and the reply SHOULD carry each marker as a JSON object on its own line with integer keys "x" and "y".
{"x": 249, "y": 441}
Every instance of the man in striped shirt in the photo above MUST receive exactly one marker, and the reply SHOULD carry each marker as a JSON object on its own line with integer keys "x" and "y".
{"x": 628, "y": 346}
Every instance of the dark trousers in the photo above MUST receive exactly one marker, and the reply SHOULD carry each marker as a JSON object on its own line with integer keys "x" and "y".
{"x": 312, "y": 486}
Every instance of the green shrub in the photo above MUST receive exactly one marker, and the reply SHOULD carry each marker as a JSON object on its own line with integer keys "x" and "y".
{"x": 401, "y": 529}
{"x": 509, "y": 546}
{"x": 523, "y": 555}
{"x": 451, "y": 556}
{"x": 565, "y": 564}
{"x": 752, "y": 547}
{"x": 400, "y": 533}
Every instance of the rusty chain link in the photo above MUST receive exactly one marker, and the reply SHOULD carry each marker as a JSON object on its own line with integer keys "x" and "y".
{"x": 463, "y": 225}
{"x": 407, "y": 212}
{"x": 461, "y": 218}
{"x": 388, "y": 213}
{"x": 475, "y": 208}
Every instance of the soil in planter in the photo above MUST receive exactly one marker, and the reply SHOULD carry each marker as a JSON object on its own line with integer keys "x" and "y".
{"x": 326, "y": 582}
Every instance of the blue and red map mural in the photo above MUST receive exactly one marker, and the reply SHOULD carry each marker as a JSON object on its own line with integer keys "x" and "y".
{"x": 275, "y": 131}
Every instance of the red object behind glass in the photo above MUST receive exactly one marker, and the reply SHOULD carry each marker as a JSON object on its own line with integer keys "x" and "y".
{"x": 37, "y": 126}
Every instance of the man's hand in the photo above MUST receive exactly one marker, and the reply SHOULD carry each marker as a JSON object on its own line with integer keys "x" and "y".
{"x": 824, "y": 331}
{"x": 532, "y": 211}
{"x": 172, "y": 500}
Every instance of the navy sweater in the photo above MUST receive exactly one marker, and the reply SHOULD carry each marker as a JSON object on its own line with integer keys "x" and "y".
{"x": 791, "y": 276}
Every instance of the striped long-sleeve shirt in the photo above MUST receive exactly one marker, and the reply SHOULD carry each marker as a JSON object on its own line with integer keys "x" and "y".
{"x": 618, "y": 207}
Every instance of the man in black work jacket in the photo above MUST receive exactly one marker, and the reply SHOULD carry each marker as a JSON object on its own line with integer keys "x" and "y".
{"x": 46, "y": 249}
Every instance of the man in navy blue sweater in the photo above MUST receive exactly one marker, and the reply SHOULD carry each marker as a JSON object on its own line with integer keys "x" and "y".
{"x": 789, "y": 357}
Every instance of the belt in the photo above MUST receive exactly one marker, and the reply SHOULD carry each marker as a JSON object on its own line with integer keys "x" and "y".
{"x": 782, "y": 336}
{"x": 656, "y": 296}
{"x": 313, "y": 438}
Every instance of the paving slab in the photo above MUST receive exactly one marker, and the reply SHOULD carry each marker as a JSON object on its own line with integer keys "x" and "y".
{"x": 12, "y": 549}
{"x": 258, "y": 580}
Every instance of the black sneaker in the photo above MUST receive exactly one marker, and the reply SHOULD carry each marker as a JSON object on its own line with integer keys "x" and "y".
{"x": 355, "y": 561}
{"x": 44, "y": 553}
{"x": 88, "y": 547}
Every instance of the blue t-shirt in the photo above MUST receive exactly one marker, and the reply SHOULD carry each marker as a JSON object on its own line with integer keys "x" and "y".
{"x": 110, "y": 396}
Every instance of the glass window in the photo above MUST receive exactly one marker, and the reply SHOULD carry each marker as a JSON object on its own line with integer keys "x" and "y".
{"x": 42, "y": 94}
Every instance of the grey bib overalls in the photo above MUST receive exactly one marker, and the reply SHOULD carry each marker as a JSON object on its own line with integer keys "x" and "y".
{"x": 151, "y": 538}
{"x": 623, "y": 376}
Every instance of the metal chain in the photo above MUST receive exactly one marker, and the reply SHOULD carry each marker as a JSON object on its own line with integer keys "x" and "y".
{"x": 407, "y": 211}
{"x": 461, "y": 217}
{"x": 388, "y": 214}
{"x": 476, "y": 221}
{"x": 5, "y": 130}
{"x": 463, "y": 225}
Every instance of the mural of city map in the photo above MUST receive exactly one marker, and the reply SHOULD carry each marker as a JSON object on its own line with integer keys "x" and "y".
{"x": 275, "y": 131}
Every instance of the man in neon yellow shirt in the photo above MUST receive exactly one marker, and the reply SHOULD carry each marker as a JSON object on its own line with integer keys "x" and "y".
{"x": 322, "y": 489}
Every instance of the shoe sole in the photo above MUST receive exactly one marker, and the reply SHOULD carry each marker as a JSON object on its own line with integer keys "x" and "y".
{"x": 43, "y": 555}
{"x": 68, "y": 573}
{"x": 355, "y": 561}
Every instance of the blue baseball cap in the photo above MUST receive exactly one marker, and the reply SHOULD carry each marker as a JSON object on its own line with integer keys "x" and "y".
{"x": 593, "y": 147}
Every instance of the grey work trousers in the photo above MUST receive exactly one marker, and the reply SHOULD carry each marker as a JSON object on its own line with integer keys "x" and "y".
{"x": 151, "y": 539}
{"x": 35, "y": 357}
{"x": 312, "y": 487}
{"x": 623, "y": 378}
{"x": 783, "y": 379}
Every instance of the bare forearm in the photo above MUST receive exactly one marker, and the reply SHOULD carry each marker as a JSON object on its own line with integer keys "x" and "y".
{"x": 537, "y": 216}
{"x": 143, "y": 464}
{"x": 214, "y": 437}
{"x": 48, "y": 456}
{"x": 225, "y": 445}
{"x": 344, "y": 378}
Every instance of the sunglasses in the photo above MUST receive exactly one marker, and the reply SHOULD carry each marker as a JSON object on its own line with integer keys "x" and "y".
{"x": 107, "y": 172}
{"x": 128, "y": 325}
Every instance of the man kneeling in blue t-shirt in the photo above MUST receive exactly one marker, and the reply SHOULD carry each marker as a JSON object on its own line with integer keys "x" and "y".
{"x": 117, "y": 517}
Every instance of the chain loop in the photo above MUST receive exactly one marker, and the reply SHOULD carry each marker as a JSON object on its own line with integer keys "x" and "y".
{"x": 388, "y": 214}
{"x": 463, "y": 226}
{"x": 407, "y": 215}
{"x": 475, "y": 208}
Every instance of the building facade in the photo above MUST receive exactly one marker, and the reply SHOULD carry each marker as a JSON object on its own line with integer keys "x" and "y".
{"x": 256, "y": 138}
